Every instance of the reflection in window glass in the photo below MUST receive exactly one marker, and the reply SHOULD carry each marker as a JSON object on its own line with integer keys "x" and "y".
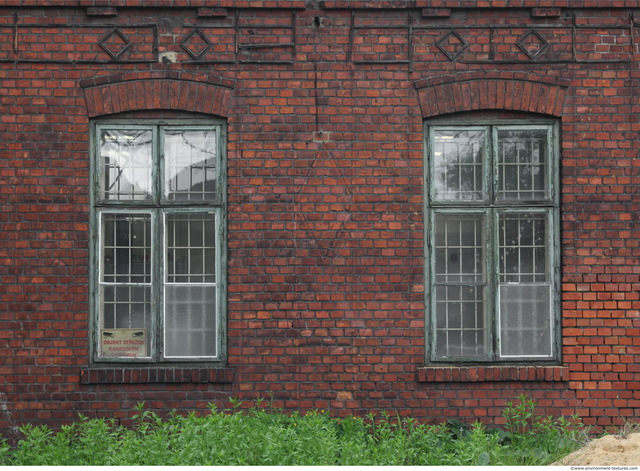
{"x": 190, "y": 164}
{"x": 458, "y": 165}
{"x": 522, "y": 164}
{"x": 126, "y": 161}
{"x": 523, "y": 247}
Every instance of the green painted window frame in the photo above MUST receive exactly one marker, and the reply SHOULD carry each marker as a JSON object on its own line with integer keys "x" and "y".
{"x": 489, "y": 208}
{"x": 158, "y": 207}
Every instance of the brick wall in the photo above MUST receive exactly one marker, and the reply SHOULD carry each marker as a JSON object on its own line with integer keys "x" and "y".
{"x": 325, "y": 103}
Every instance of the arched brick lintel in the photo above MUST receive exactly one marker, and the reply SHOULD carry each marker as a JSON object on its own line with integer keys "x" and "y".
{"x": 156, "y": 94}
{"x": 491, "y": 94}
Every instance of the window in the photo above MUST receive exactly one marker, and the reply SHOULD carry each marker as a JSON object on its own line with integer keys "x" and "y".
{"x": 158, "y": 241}
{"x": 492, "y": 243}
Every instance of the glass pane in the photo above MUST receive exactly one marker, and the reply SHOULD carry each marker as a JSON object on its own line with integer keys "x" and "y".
{"x": 126, "y": 248}
{"x": 460, "y": 245}
{"x": 460, "y": 253}
{"x": 458, "y": 165}
{"x": 191, "y": 256}
{"x": 523, "y": 248}
{"x": 126, "y": 307}
{"x": 190, "y": 159}
{"x": 125, "y": 162}
{"x": 523, "y": 159}
{"x": 190, "y": 321}
{"x": 460, "y": 322}
{"x": 525, "y": 320}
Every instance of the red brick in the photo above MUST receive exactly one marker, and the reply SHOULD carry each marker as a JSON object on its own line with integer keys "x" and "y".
{"x": 325, "y": 222}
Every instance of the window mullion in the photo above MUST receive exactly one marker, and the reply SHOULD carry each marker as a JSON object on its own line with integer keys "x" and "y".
{"x": 158, "y": 274}
{"x": 159, "y": 246}
{"x": 493, "y": 261}
{"x": 158, "y": 165}
{"x": 161, "y": 241}
{"x": 492, "y": 154}
{"x": 493, "y": 281}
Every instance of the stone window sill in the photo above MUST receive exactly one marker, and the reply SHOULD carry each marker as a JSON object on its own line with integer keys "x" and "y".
{"x": 470, "y": 374}
{"x": 142, "y": 375}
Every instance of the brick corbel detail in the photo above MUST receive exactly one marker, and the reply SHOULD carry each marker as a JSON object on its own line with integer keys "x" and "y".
{"x": 507, "y": 92}
{"x": 182, "y": 92}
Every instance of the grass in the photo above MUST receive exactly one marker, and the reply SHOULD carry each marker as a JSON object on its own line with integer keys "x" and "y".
{"x": 263, "y": 437}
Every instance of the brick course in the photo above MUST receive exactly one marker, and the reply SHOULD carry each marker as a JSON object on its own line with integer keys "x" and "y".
{"x": 326, "y": 216}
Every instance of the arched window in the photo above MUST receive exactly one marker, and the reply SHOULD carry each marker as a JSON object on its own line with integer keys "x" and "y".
{"x": 159, "y": 216}
{"x": 492, "y": 259}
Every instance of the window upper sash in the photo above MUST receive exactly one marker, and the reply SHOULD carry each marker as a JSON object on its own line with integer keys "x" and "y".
{"x": 156, "y": 164}
{"x": 491, "y": 165}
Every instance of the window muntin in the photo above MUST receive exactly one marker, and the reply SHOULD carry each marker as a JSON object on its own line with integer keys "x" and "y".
{"x": 492, "y": 245}
{"x": 159, "y": 229}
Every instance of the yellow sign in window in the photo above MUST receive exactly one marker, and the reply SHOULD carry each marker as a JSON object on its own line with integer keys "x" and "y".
{"x": 119, "y": 343}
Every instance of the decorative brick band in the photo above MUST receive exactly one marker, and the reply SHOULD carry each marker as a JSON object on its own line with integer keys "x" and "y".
{"x": 490, "y": 94}
{"x": 141, "y": 375}
{"x": 470, "y": 374}
{"x": 295, "y": 4}
{"x": 333, "y": 4}
{"x": 115, "y": 94}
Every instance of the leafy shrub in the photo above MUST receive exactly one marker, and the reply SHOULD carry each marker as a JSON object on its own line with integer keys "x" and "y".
{"x": 537, "y": 440}
{"x": 271, "y": 438}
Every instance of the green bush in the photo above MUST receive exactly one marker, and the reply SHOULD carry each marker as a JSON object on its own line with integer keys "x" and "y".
{"x": 267, "y": 437}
